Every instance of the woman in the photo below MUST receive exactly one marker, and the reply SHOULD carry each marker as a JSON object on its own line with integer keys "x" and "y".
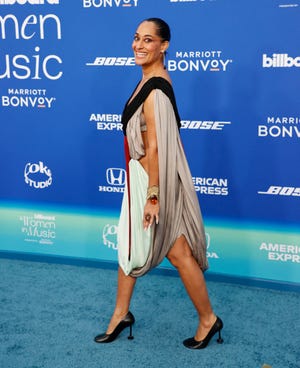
{"x": 160, "y": 215}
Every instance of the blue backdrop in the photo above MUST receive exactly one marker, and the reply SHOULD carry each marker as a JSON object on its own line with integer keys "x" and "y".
{"x": 66, "y": 70}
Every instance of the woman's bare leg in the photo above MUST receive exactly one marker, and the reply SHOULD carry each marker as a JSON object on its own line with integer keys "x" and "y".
{"x": 124, "y": 294}
{"x": 192, "y": 277}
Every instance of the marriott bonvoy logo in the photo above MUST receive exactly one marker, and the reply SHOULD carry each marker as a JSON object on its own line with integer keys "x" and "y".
{"x": 27, "y": 98}
{"x": 109, "y": 3}
{"x": 199, "y": 61}
{"x": 30, "y": 2}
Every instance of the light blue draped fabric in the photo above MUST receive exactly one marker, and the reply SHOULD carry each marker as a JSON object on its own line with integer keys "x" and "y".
{"x": 140, "y": 238}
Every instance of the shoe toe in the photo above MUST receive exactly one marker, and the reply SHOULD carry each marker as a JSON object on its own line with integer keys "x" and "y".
{"x": 101, "y": 338}
{"x": 190, "y": 343}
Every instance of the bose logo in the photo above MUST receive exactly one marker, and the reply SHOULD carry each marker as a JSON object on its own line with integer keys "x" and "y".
{"x": 205, "y": 125}
{"x": 115, "y": 176}
{"x": 113, "y": 61}
{"x": 284, "y": 191}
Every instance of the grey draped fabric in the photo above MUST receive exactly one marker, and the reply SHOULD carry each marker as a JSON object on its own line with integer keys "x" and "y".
{"x": 179, "y": 206}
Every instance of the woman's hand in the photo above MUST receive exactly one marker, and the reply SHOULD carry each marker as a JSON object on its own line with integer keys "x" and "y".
{"x": 151, "y": 214}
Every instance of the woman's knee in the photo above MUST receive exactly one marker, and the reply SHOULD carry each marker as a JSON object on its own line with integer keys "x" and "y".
{"x": 180, "y": 252}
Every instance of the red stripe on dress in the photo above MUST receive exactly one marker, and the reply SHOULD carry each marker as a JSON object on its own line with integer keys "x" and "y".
{"x": 127, "y": 159}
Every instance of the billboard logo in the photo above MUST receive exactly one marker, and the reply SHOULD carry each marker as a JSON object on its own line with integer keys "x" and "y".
{"x": 283, "y": 191}
{"x": 37, "y": 175}
{"x": 280, "y": 61}
{"x": 34, "y": 65}
{"x": 38, "y": 228}
{"x": 35, "y": 71}
{"x": 115, "y": 176}
{"x": 31, "y": 2}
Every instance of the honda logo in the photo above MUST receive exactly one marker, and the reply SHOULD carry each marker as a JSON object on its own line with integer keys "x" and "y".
{"x": 115, "y": 176}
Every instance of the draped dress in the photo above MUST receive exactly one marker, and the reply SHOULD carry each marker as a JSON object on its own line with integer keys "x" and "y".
{"x": 141, "y": 250}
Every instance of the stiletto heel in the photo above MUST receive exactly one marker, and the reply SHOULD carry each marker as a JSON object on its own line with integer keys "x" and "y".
{"x": 130, "y": 337}
{"x": 127, "y": 321}
{"x": 191, "y": 343}
{"x": 220, "y": 340}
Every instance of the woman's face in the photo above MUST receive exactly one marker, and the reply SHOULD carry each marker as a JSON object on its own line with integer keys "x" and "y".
{"x": 147, "y": 45}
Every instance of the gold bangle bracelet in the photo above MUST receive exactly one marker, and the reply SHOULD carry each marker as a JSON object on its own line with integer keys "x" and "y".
{"x": 153, "y": 191}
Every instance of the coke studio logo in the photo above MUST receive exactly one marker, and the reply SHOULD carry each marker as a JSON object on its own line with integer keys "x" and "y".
{"x": 37, "y": 176}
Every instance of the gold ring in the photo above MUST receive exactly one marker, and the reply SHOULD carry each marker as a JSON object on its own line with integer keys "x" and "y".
{"x": 148, "y": 217}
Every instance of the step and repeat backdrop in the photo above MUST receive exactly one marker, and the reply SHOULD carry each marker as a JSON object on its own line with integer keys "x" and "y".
{"x": 66, "y": 70}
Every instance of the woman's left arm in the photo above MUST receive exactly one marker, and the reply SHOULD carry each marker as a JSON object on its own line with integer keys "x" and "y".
{"x": 151, "y": 208}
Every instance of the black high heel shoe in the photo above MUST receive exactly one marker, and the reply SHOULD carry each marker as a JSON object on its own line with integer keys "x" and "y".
{"x": 191, "y": 343}
{"x": 127, "y": 321}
